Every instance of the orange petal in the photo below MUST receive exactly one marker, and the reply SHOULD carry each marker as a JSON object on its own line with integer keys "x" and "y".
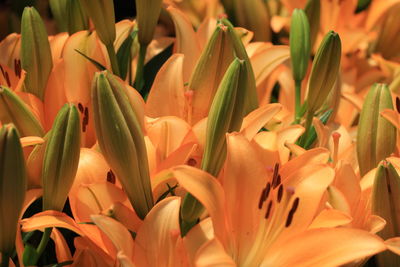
{"x": 116, "y": 232}
{"x": 391, "y": 116}
{"x": 267, "y": 59}
{"x": 325, "y": 247}
{"x": 47, "y": 219}
{"x": 167, "y": 88}
{"x": 156, "y": 240}
{"x": 186, "y": 41}
{"x": 393, "y": 244}
{"x": 213, "y": 253}
{"x": 243, "y": 182}
{"x": 330, "y": 218}
{"x": 197, "y": 236}
{"x": 62, "y": 250}
{"x": 31, "y": 141}
{"x": 208, "y": 191}
{"x": 254, "y": 121}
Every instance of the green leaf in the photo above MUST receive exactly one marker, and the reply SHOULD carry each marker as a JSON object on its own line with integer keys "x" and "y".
{"x": 30, "y": 256}
{"x": 94, "y": 62}
{"x": 124, "y": 54}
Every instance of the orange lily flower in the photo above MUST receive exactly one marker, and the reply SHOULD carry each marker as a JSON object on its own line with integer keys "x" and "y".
{"x": 270, "y": 228}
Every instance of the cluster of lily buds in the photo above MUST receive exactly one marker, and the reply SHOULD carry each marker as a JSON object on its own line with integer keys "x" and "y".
{"x": 200, "y": 133}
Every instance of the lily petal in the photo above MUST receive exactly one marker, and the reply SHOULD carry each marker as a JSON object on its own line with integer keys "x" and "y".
{"x": 325, "y": 247}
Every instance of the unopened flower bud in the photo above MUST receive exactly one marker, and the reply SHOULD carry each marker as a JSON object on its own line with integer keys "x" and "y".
{"x": 121, "y": 139}
{"x": 208, "y": 73}
{"x": 299, "y": 44}
{"x": 313, "y": 11}
{"x": 14, "y": 110}
{"x": 376, "y": 136}
{"x": 386, "y": 204}
{"x": 148, "y": 12}
{"x": 324, "y": 71}
{"x": 101, "y": 12}
{"x": 226, "y": 115}
{"x": 12, "y": 185}
{"x": 61, "y": 158}
{"x": 77, "y": 19}
{"x": 36, "y": 57}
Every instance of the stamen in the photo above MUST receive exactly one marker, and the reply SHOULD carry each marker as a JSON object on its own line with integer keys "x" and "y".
{"x": 8, "y": 79}
{"x": 264, "y": 195}
{"x": 110, "y": 177}
{"x": 336, "y": 137}
{"x": 268, "y": 209}
{"x": 191, "y": 162}
{"x": 292, "y": 212}
{"x": 17, "y": 67}
{"x": 280, "y": 193}
{"x": 398, "y": 104}
{"x": 80, "y": 107}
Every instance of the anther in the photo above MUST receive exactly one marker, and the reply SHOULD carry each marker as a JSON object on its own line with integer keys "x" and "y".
{"x": 80, "y": 107}
{"x": 280, "y": 193}
{"x": 110, "y": 177}
{"x": 268, "y": 209}
{"x": 191, "y": 162}
{"x": 398, "y": 104}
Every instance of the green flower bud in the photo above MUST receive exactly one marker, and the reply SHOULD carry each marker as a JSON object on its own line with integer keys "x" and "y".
{"x": 14, "y": 110}
{"x": 58, "y": 10}
{"x": 250, "y": 96}
{"x": 13, "y": 184}
{"x": 148, "y": 12}
{"x": 214, "y": 61}
{"x": 299, "y": 44}
{"x": 376, "y": 136}
{"x": 36, "y": 57}
{"x": 226, "y": 115}
{"x": 77, "y": 20}
{"x": 313, "y": 11}
{"x": 324, "y": 71}
{"x": 101, "y": 12}
{"x": 61, "y": 158}
{"x": 386, "y": 204}
{"x": 121, "y": 139}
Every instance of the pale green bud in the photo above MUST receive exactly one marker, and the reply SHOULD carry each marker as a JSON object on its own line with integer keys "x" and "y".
{"x": 147, "y": 12}
{"x": 299, "y": 44}
{"x": 214, "y": 61}
{"x": 226, "y": 115}
{"x": 376, "y": 136}
{"x": 14, "y": 110}
{"x": 36, "y": 57}
{"x": 324, "y": 71}
{"x": 101, "y": 12}
{"x": 250, "y": 96}
{"x": 61, "y": 158}
{"x": 57, "y": 8}
{"x": 77, "y": 19}
{"x": 13, "y": 184}
{"x": 313, "y": 11}
{"x": 121, "y": 139}
{"x": 386, "y": 204}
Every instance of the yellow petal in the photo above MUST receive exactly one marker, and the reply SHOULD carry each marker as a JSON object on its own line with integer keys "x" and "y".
{"x": 31, "y": 141}
{"x": 393, "y": 244}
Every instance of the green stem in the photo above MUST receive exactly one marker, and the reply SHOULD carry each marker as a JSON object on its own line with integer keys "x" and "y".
{"x": 43, "y": 242}
{"x": 297, "y": 101}
{"x": 4, "y": 260}
{"x": 113, "y": 59}
{"x": 139, "y": 79}
{"x": 307, "y": 127}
